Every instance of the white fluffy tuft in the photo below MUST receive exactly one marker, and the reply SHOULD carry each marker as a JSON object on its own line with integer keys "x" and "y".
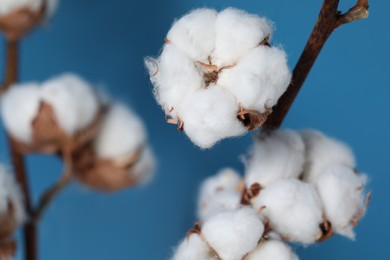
{"x": 19, "y": 107}
{"x": 293, "y": 209}
{"x": 275, "y": 156}
{"x": 8, "y": 6}
{"x": 193, "y": 248}
{"x": 233, "y": 234}
{"x": 322, "y": 151}
{"x": 272, "y": 250}
{"x": 219, "y": 193}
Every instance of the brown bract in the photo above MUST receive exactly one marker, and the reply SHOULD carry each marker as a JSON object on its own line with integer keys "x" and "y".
{"x": 49, "y": 137}
{"x": 8, "y": 222}
{"x": 18, "y": 23}
{"x": 107, "y": 175}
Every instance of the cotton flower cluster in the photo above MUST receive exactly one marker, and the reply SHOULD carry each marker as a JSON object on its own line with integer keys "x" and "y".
{"x": 217, "y": 75}
{"x": 298, "y": 187}
{"x": 105, "y": 144}
{"x": 12, "y": 213}
{"x": 17, "y": 17}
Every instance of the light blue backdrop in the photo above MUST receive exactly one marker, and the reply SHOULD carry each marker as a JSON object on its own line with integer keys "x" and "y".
{"x": 345, "y": 96}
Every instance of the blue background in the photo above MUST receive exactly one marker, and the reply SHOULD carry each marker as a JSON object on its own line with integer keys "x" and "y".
{"x": 346, "y": 96}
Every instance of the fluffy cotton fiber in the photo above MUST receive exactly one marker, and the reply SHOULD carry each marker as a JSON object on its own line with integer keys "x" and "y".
{"x": 10, "y": 191}
{"x": 212, "y": 66}
{"x": 272, "y": 250}
{"x": 233, "y": 234}
{"x": 19, "y": 107}
{"x": 322, "y": 151}
{"x": 275, "y": 156}
{"x": 219, "y": 193}
{"x": 193, "y": 248}
{"x": 8, "y": 6}
{"x": 341, "y": 191}
{"x": 293, "y": 209}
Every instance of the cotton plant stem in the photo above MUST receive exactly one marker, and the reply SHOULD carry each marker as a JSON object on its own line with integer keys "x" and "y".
{"x": 329, "y": 19}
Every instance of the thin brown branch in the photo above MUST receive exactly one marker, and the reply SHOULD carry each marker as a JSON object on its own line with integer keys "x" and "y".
{"x": 11, "y": 76}
{"x": 329, "y": 19}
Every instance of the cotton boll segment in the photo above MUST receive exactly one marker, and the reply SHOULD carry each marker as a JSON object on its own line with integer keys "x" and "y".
{"x": 259, "y": 78}
{"x": 193, "y": 248}
{"x": 19, "y": 107}
{"x": 322, "y": 151}
{"x": 211, "y": 115}
{"x": 74, "y": 102}
{"x": 174, "y": 78}
{"x": 219, "y": 193}
{"x": 12, "y": 213}
{"x": 293, "y": 209}
{"x": 236, "y": 33}
{"x": 272, "y": 250}
{"x": 279, "y": 155}
{"x": 341, "y": 191}
{"x": 233, "y": 234}
{"x": 8, "y": 6}
{"x": 194, "y": 33}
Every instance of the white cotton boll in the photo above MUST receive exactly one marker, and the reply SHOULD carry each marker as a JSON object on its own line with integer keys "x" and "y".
{"x": 259, "y": 78}
{"x": 279, "y": 155}
{"x": 293, "y": 209}
{"x": 233, "y": 234}
{"x": 193, "y": 248}
{"x": 341, "y": 191}
{"x": 322, "y": 151}
{"x": 73, "y": 100}
{"x": 219, "y": 193}
{"x": 10, "y": 191}
{"x": 120, "y": 133}
{"x": 272, "y": 250}
{"x": 194, "y": 33}
{"x": 19, "y": 107}
{"x": 8, "y": 6}
{"x": 176, "y": 78}
{"x": 143, "y": 170}
{"x": 211, "y": 115}
{"x": 236, "y": 33}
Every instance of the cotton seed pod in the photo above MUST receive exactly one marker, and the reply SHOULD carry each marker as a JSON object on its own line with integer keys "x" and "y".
{"x": 293, "y": 209}
{"x": 272, "y": 250}
{"x": 322, "y": 151}
{"x": 342, "y": 193}
{"x": 119, "y": 156}
{"x": 60, "y": 115}
{"x": 219, "y": 193}
{"x": 233, "y": 234}
{"x": 274, "y": 156}
{"x": 193, "y": 248}
{"x": 18, "y": 17}
{"x": 12, "y": 213}
{"x": 217, "y": 75}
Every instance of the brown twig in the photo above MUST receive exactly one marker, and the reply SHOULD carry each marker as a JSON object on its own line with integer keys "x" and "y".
{"x": 329, "y": 19}
{"x": 11, "y": 76}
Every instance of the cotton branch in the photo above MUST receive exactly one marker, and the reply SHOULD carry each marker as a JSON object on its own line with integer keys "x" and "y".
{"x": 329, "y": 19}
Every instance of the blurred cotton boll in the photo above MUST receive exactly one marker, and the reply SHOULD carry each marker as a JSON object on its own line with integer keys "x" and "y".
{"x": 217, "y": 75}
{"x": 119, "y": 155}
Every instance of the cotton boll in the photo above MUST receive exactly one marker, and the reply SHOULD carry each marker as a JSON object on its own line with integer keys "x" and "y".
{"x": 8, "y": 6}
{"x": 279, "y": 155}
{"x": 236, "y": 33}
{"x": 193, "y": 248}
{"x": 143, "y": 170}
{"x": 194, "y": 33}
{"x": 293, "y": 209}
{"x": 74, "y": 102}
{"x": 175, "y": 78}
{"x": 12, "y": 213}
{"x": 211, "y": 115}
{"x": 233, "y": 234}
{"x": 272, "y": 250}
{"x": 219, "y": 193}
{"x": 341, "y": 191}
{"x": 259, "y": 78}
{"x": 322, "y": 151}
{"x": 19, "y": 107}
{"x": 120, "y": 133}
